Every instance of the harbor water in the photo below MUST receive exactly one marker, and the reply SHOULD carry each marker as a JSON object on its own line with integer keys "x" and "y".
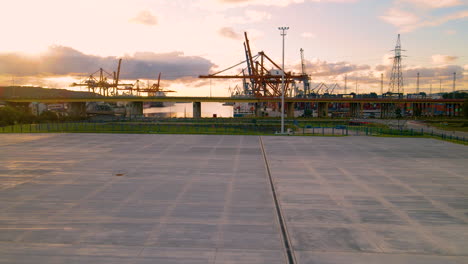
{"x": 182, "y": 110}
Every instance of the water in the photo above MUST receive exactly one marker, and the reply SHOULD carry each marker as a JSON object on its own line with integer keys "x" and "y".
{"x": 186, "y": 110}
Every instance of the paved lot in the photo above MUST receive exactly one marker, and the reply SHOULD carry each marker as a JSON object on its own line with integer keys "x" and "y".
{"x": 207, "y": 199}
{"x": 373, "y": 200}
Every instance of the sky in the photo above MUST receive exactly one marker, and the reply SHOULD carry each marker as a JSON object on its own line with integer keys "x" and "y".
{"x": 53, "y": 43}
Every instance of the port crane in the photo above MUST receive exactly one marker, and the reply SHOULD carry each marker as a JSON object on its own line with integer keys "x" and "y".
{"x": 103, "y": 82}
{"x": 262, "y": 76}
{"x": 303, "y": 71}
{"x": 151, "y": 90}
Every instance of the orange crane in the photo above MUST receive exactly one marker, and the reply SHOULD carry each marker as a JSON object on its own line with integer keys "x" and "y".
{"x": 152, "y": 90}
{"x": 105, "y": 84}
{"x": 263, "y": 77}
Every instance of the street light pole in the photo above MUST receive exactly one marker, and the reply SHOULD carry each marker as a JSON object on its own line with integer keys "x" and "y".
{"x": 283, "y": 34}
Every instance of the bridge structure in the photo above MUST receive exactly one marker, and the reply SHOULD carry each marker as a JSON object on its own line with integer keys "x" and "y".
{"x": 354, "y": 106}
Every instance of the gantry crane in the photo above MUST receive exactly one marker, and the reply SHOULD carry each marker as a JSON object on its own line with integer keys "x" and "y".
{"x": 262, "y": 76}
{"x": 151, "y": 90}
{"x": 105, "y": 84}
{"x": 305, "y": 80}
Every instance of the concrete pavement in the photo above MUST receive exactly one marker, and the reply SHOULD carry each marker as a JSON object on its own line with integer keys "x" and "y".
{"x": 101, "y": 198}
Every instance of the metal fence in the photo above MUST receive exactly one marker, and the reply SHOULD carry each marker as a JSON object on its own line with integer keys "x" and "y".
{"x": 141, "y": 128}
{"x": 221, "y": 128}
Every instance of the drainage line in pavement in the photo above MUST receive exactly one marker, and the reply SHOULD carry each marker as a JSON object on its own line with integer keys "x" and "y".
{"x": 284, "y": 231}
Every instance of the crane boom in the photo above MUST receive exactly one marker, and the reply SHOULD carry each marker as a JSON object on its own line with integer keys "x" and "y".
{"x": 302, "y": 61}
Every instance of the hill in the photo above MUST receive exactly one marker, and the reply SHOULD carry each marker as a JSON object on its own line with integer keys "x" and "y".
{"x": 26, "y": 92}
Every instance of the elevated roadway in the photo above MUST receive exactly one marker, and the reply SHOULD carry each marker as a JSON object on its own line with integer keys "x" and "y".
{"x": 452, "y": 107}
{"x": 188, "y": 99}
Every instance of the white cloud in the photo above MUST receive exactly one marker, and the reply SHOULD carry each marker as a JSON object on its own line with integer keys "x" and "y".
{"x": 387, "y": 59}
{"x": 443, "y": 59}
{"x": 225, "y": 4}
{"x": 255, "y": 16}
{"x": 255, "y": 34}
{"x": 259, "y": 2}
{"x": 434, "y": 3}
{"x": 407, "y": 21}
{"x": 308, "y": 35}
{"x": 229, "y": 32}
{"x": 400, "y": 18}
{"x": 62, "y": 61}
{"x": 451, "y": 32}
{"x": 319, "y": 68}
{"x": 145, "y": 18}
{"x": 250, "y": 16}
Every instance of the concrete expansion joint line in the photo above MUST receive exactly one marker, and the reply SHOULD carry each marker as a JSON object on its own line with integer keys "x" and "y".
{"x": 291, "y": 258}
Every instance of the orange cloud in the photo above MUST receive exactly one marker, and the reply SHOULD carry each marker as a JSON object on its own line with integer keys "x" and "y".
{"x": 145, "y": 18}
